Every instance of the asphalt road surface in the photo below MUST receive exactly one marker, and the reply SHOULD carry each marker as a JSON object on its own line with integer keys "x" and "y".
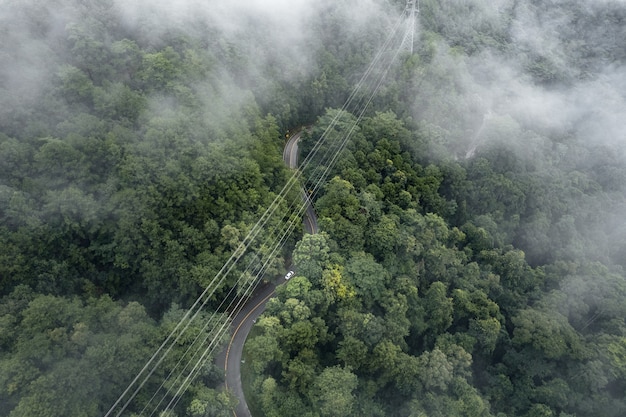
{"x": 290, "y": 153}
{"x": 290, "y": 156}
{"x": 230, "y": 358}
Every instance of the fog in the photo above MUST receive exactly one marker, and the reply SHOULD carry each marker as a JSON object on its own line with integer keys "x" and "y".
{"x": 593, "y": 109}
{"x": 280, "y": 33}
{"x": 546, "y": 80}
{"x": 588, "y": 101}
{"x": 273, "y": 40}
{"x": 133, "y": 132}
{"x": 269, "y": 32}
{"x": 537, "y": 78}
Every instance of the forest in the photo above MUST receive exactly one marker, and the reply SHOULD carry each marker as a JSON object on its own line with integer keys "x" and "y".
{"x": 473, "y": 240}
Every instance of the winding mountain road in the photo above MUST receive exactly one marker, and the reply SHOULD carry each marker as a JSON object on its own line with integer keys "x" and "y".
{"x": 290, "y": 156}
{"x": 230, "y": 358}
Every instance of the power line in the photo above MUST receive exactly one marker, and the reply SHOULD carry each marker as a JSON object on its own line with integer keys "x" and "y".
{"x": 379, "y": 67}
{"x": 412, "y": 10}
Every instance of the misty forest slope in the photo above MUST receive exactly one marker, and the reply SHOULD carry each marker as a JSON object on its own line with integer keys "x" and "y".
{"x": 474, "y": 241}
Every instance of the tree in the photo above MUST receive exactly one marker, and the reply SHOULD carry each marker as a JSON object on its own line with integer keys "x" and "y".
{"x": 297, "y": 287}
{"x": 382, "y": 237}
{"x": 436, "y": 370}
{"x": 353, "y": 353}
{"x": 263, "y": 349}
{"x": 539, "y": 410}
{"x": 368, "y": 278}
{"x": 335, "y": 286}
{"x": 64, "y": 350}
{"x": 438, "y": 307}
{"x": 340, "y": 214}
{"x": 311, "y": 256}
{"x": 486, "y": 332}
{"x": 332, "y": 393}
{"x": 546, "y": 332}
{"x": 300, "y": 372}
{"x": 76, "y": 87}
{"x": 211, "y": 403}
{"x": 159, "y": 69}
{"x": 267, "y": 151}
{"x": 397, "y": 324}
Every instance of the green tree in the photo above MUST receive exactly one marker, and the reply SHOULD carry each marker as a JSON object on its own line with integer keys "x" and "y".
{"x": 546, "y": 332}
{"x": 353, "y": 353}
{"x": 335, "y": 286}
{"x": 211, "y": 403}
{"x": 159, "y": 69}
{"x": 311, "y": 256}
{"x": 341, "y": 206}
{"x": 438, "y": 307}
{"x": 332, "y": 393}
{"x": 436, "y": 370}
{"x": 64, "y": 350}
{"x": 382, "y": 237}
{"x": 367, "y": 276}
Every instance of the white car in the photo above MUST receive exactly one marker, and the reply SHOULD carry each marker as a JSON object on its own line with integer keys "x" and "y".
{"x": 289, "y": 275}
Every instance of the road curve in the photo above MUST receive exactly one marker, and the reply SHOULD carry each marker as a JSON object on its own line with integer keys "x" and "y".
{"x": 290, "y": 152}
{"x": 290, "y": 156}
{"x": 230, "y": 358}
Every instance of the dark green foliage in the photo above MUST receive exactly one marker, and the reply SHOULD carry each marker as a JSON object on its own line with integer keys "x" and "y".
{"x": 436, "y": 319}
{"x": 472, "y": 255}
{"x": 61, "y": 356}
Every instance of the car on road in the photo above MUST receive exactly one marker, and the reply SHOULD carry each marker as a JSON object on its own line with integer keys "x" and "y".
{"x": 289, "y": 275}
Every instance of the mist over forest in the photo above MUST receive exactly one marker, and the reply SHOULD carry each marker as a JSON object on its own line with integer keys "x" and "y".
{"x": 473, "y": 237}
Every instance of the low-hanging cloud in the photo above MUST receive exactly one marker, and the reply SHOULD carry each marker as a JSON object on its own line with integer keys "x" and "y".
{"x": 260, "y": 28}
{"x": 564, "y": 72}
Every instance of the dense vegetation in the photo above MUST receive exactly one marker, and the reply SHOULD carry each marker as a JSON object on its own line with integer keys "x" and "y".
{"x": 472, "y": 254}
{"x": 395, "y": 311}
{"x": 126, "y": 180}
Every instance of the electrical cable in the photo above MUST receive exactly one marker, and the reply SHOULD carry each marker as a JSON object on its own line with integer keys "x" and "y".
{"x": 185, "y": 322}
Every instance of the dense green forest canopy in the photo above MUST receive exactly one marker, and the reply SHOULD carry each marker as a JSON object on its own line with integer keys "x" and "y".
{"x": 473, "y": 245}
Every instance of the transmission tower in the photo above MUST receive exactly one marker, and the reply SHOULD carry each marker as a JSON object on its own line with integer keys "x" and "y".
{"x": 411, "y": 12}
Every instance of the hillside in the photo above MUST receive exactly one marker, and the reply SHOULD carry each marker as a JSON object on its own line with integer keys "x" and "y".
{"x": 472, "y": 254}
